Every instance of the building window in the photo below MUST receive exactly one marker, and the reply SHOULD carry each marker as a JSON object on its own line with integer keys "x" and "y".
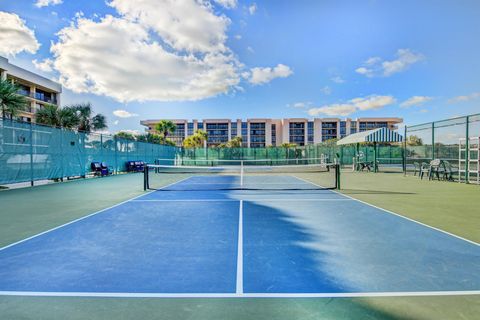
{"x": 257, "y": 135}
{"x": 190, "y": 128}
{"x": 353, "y": 127}
{"x": 369, "y": 125}
{"x": 329, "y": 130}
{"x": 343, "y": 129}
{"x": 310, "y": 132}
{"x": 23, "y": 90}
{"x": 179, "y": 134}
{"x": 274, "y": 134}
{"x": 297, "y": 133}
{"x": 217, "y": 133}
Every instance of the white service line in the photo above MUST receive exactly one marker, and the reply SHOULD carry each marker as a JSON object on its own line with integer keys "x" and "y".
{"x": 239, "y": 284}
{"x": 240, "y": 295}
{"x": 85, "y": 217}
{"x": 186, "y": 200}
{"x": 244, "y": 199}
{"x": 399, "y": 215}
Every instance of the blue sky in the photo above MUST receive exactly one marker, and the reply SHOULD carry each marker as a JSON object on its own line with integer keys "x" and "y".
{"x": 252, "y": 59}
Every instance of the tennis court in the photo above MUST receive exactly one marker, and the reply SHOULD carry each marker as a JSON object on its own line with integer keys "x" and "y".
{"x": 274, "y": 236}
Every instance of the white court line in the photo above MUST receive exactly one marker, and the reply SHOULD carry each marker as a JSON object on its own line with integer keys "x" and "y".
{"x": 236, "y": 200}
{"x": 240, "y": 295}
{"x": 399, "y": 215}
{"x": 187, "y": 200}
{"x": 85, "y": 217}
{"x": 239, "y": 284}
{"x": 246, "y": 183}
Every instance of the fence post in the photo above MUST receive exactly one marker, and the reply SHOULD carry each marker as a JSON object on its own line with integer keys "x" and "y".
{"x": 101, "y": 147}
{"x": 404, "y": 158}
{"x": 62, "y": 166}
{"x": 433, "y": 140}
{"x": 31, "y": 154}
{"x": 115, "y": 150}
{"x": 467, "y": 151}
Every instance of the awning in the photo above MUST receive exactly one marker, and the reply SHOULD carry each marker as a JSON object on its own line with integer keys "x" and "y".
{"x": 375, "y": 135}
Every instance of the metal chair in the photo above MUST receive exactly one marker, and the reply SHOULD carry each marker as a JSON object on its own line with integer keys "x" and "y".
{"x": 424, "y": 169}
{"x": 435, "y": 169}
{"x": 416, "y": 168}
{"x": 448, "y": 170}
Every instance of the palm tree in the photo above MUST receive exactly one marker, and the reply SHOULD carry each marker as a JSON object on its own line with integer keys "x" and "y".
{"x": 11, "y": 103}
{"x": 55, "y": 116}
{"x": 68, "y": 118}
{"x": 203, "y": 135}
{"x": 150, "y": 138}
{"x": 196, "y": 140}
{"x": 125, "y": 135}
{"x": 49, "y": 115}
{"x": 165, "y": 127}
{"x": 88, "y": 122}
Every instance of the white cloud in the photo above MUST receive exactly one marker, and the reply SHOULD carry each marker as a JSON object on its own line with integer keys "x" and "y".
{"x": 184, "y": 25}
{"x": 15, "y": 36}
{"x": 364, "y": 71}
{"x": 326, "y": 90}
{"x": 229, "y": 4}
{"x": 465, "y": 98}
{"x": 121, "y": 58}
{"x": 145, "y": 54}
{"x": 299, "y": 105}
{"x": 46, "y": 3}
{"x": 333, "y": 110}
{"x": 373, "y": 102}
{"x": 250, "y": 49}
{"x": 45, "y": 65}
{"x": 124, "y": 114}
{"x": 376, "y": 66}
{"x": 116, "y": 122}
{"x": 264, "y": 75}
{"x": 337, "y": 79}
{"x": 415, "y": 101}
{"x": 134, "y": 132}
{"x": 238, "y": 37}
{"x": 252, "y": 8}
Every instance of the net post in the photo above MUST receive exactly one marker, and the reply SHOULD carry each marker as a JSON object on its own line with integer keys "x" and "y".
{"x": 145, "y": 178}
{"x": 337, "y": 176}
{"x": 241, "y": 173}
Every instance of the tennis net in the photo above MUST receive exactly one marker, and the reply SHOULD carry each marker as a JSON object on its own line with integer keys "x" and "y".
{"x": 243, "y": 176}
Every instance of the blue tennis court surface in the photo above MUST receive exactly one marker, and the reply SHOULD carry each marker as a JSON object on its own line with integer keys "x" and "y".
{"x": 185, "y": 242}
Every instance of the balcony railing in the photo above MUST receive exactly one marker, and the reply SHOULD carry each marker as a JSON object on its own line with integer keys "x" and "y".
{"x": 42, "y": 97}
{"x": 23, "y": 92}
{"x": 37, "y": 96}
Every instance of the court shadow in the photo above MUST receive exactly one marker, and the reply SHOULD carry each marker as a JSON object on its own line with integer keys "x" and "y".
{"x": 282, "y": 254}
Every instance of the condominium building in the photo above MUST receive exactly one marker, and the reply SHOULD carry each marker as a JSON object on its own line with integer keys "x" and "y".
{"x": 37, "y": 89}
{"x": 273, "y": 132}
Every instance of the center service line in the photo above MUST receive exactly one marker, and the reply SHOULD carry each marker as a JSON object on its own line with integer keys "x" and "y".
{"x": 240, "y": 251}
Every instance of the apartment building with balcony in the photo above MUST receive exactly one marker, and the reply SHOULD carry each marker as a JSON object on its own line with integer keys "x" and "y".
{"x": 37, "y": 89}
{"x": 264, "y": 132}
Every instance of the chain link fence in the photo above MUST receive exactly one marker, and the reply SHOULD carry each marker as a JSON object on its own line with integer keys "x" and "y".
{"x": 32, "y": 152}
{"x": 453, "y": 141}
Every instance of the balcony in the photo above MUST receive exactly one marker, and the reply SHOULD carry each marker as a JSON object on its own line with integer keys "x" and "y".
{"x": 24, "y": 92}
{"x": 42, "y": 97}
